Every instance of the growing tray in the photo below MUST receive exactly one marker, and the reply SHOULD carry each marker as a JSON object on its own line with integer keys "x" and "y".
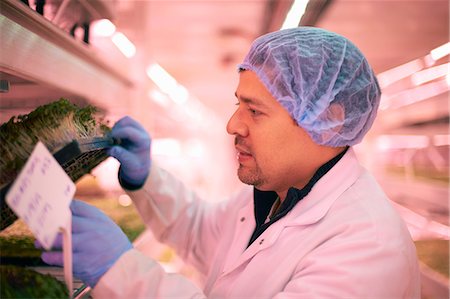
{"x": 77, "y": 158}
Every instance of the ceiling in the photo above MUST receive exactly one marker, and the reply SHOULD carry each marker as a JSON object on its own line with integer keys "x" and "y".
{"x": 200, "y": 42}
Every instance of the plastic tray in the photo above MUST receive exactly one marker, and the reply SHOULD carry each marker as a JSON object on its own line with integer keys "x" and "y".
{"x": 76, "y": 158}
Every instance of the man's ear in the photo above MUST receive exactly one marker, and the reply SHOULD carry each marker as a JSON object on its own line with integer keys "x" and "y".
{"x": 336, "y": 112}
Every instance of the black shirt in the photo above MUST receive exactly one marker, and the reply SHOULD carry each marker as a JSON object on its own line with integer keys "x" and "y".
{"x": 264, "y": 200}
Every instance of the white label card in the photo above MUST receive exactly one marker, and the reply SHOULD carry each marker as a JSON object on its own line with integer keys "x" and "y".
{"x": 41, "y": 195}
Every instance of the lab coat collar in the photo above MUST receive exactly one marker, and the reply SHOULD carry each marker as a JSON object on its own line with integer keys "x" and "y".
{"x": 263, "y": 200}
{"x": 325, "y": 192}
{"x": 309, "y": 210}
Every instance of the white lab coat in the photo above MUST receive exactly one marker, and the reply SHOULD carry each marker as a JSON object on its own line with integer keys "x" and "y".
{"x": 343, "y": 240}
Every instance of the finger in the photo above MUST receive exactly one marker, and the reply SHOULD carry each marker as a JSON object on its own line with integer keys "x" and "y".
{"x": 80, "y": 240}
{"x": 124, "y": 156}
{"x": 131, "y": 136}
{"x": 82, "y": 209}
{"x": 127, "y": 121}
{"x": 53, "y": 258}
{"x": 57, "y": 244}
{"x": 38, "y": 244}
{"x": 81, "y": 224}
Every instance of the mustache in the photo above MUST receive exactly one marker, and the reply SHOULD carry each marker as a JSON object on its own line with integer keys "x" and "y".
{"x": 241, "y": 142}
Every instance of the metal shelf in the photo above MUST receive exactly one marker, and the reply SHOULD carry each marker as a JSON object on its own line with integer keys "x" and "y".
{"x": 35, "y": 49}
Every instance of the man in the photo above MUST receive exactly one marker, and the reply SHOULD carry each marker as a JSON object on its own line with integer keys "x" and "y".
{"x": 315, "y": 225}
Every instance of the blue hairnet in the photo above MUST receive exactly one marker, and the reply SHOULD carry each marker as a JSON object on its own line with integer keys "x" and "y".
{"x": 321, "y": 79}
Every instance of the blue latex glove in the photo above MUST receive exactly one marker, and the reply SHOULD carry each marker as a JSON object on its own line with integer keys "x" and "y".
{"x": 97, "y": 243}
{"x": 133, "y": 152}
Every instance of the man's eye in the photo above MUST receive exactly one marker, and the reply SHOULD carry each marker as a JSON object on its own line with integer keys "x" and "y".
{"x": 254, "y": 112}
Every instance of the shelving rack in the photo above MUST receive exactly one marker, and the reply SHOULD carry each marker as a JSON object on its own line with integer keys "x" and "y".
{"x": 40, "y": 53}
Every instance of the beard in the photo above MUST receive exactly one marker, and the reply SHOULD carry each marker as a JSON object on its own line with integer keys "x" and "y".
{"x": 250, "y": 175}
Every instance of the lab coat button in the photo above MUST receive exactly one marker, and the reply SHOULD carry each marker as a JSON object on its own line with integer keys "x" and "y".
{"x": 242, "y": 219}
{"x": 260, "y": 242}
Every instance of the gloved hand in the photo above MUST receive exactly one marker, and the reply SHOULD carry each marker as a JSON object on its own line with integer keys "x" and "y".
{"x": 97, "y": 243}
{"x": 133, "y": 152}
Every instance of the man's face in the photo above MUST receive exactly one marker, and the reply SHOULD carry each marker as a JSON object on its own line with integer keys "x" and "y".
{"x": 274, "y": 153}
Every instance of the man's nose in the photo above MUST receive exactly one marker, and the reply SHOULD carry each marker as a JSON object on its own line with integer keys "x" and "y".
{"x": 236, "y": 126}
